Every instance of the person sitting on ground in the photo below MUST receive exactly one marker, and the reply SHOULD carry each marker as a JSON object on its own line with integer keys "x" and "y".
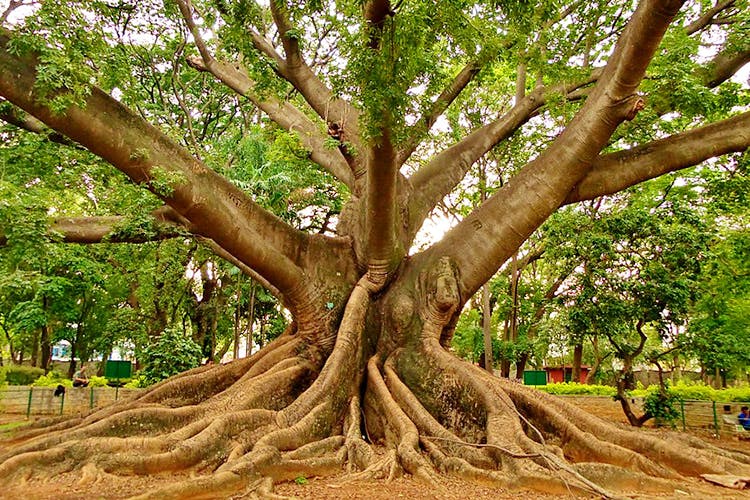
{"x": 80, "y": 379}
{"x": 744, "y": 418}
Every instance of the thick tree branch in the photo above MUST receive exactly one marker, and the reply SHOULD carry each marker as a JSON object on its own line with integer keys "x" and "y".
{"x": 375, "y": 14}
{"x": 91, "y": 230}
{"x": 104, "y": 229}
{"x": 614, "y": 172}
{"x": 451, "y": 92}
{"x": 283, "y": 113}
{"x": 708, "y": 17}
{"x": 216, "y": 208}
{"x": 492, "y": 233}
{"x": 30, "y": 124}
{"x": 726, "y": 64}
{"x": 297, "y": 72}
{"x": 381, "y": 215}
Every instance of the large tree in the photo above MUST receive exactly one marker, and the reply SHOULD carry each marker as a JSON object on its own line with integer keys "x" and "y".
{"x": 362, "y": 85}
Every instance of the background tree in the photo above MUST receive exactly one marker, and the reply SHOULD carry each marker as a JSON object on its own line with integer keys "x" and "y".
{"x": 358, "y": 88}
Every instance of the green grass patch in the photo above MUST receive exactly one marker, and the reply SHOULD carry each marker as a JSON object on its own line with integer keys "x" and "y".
{"x": 9, "y": 426}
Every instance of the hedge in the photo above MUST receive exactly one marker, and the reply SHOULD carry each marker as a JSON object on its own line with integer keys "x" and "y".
{"x": 682, "y": 390}
{"x": 21, "y": 375}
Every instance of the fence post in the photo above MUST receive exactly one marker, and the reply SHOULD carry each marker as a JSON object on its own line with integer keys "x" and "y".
{"x": 682, "y": 411}
{"x": 62, "y": 402}
{"x": 716, "y": 420}
{"x": 28, "y": 406}
{"x": 91, "y": 398}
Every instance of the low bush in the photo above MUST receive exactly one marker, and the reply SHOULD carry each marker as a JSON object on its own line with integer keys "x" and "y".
{"x": 171, "y": 353}
{"x": 95, "y": 381}
{"x": 681, "y": 390}
{"x": 22, "y": 375}
{"x": 137, "y": 382}
{"x": 576, "y": 389}
{"x": 52, "y": 379}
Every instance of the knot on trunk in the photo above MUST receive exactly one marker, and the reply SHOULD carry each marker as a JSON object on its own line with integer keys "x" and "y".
{"x": 440, "y": 291}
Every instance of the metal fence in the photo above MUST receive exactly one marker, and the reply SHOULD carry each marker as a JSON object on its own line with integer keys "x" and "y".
{"x": 712, "y": 418}
{"x": 29, "y": 400}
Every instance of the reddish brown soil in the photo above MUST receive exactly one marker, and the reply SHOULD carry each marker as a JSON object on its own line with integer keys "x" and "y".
{"x": 68, "y": 486}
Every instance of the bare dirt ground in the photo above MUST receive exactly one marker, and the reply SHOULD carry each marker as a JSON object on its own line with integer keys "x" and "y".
{"x": 71, "y": 487}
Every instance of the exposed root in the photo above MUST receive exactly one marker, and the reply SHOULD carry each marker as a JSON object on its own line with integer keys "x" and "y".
{"x": 406, "y": 432}
{"x": 387, "y": 468}
{"x": 359, "y": 453}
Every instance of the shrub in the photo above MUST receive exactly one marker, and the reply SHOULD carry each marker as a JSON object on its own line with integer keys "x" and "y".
{"x": 663, "y": 407}
{"x": 137, "y": 382}
{"x": 95, "y": 381}
{"x": 702, "y": 392}
{"x": 22, "y": 375}
{"x": 574, "y": 388}
{"x": 52, "y": 379}
{"x": 172, "y": 353}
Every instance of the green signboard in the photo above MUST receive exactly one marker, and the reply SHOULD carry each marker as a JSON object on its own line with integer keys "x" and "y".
{"x": 117, "y": 369}
{"x": 535, "y": 377}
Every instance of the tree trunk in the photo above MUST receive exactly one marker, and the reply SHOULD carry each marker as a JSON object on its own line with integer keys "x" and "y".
{"x": 677, "y": 369}
{"x": 73, "y": 363}
{"x": 487, "y": 329}
{"x": 237, "y": 319}
{"x": 523, "y": 358}
{"x": 577, "y": 357}
{"x": 46, "y": 348}
{"x": 250, "y": 322}
{"x": 625, "y": 382}
{"x": 598, "y": 359}
{"x": 35, "y": 348}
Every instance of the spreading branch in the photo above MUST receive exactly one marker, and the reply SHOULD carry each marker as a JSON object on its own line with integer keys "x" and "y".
{"x": 28, "y": 123}
{"x": 444, "y": 100}
{"x": 105, "y": 229}
{"x": 296, "y": 71}
{"x": 614, "y": 172}
{"x": 283, "y": 113}
{"x": 726, "y": 64}
{"x": 493, "y": 232}
{"x": 216, "y": 209}
{"x": 709, "y": 17}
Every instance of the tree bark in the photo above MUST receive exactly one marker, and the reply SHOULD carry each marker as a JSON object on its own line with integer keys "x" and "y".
{"x": 489, "y": 365}
{"x": 577, "y": 358}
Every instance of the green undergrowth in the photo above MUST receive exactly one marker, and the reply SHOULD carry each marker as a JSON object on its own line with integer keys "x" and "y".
{"x": 680, "y": 390}
{"x": 9, "y": 426}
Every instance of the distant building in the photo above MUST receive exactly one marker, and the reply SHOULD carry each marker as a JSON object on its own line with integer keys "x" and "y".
{"x": 61, "y": 351}
{"x": 559, "y": 374}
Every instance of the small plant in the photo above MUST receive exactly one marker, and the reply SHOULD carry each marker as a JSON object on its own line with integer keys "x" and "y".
{"x": 137, "y": 382}
{"x": 173, "y": 352}
{"x": 95, "y": 381}
{"x": 52, "y": 379}
{"x": 301, "y": 480}
{"x": 662, "y": 405}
